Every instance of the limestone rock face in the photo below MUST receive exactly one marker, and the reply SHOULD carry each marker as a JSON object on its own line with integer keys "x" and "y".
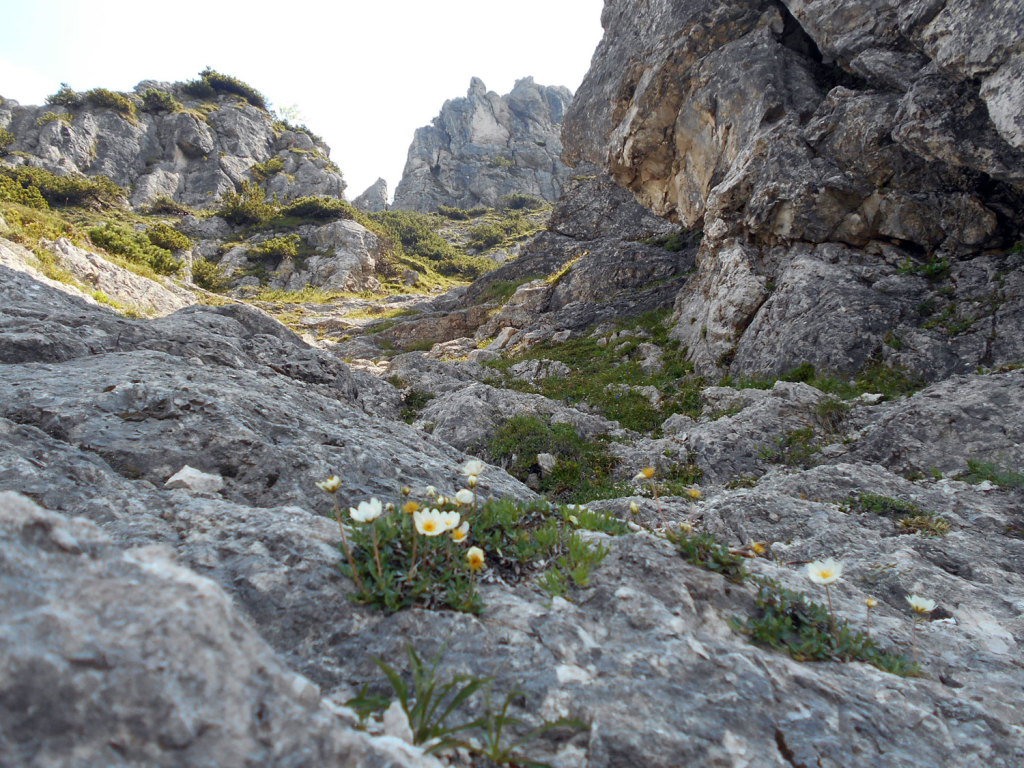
{"x": 374, "y": 199}
{"x": 484, "y": 146}
{"x": 866, "y": 143}
{"x": 192, "y": 156}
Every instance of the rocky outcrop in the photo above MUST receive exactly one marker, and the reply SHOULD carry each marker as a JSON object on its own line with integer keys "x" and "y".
{"x": 865, "y": 149}
{"x": 374, "y": 199}
{"x": 484, "y": 146}
{"x": 120, "y": 657}
{"x": 191, "y": 152}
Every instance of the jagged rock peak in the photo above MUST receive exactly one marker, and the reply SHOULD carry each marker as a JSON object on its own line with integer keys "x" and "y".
{"x": 190, "y": 142}
{"x": 483, "y": 146}
{"x": 374, "y": 199}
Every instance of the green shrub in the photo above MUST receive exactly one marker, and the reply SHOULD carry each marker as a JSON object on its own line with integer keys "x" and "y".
{"x": 414, "y": 401}
{"x": 211, "y": 83}
{"x": 65, "y": 97}
{"x": 6, "y": 139}
{"x": 459, "y": 214}
{"x": 489, "y": 234}
{"x": 167, "y": 237}
{"x": 13, "y": 192}
{"x": 165, "y": 206}
{"x": 263, "y": 171}
{"x": 246, "y": 206}
{"x": 980, "y": 471}
{"x": 794, "y": 449}
{"x": 207, "y": 275}
{"x": 96, "y": 191}
{"x": 286, "y": 246}
{"x": 160, "y": 101}
{"x": 500, "y": 161}
{"x": 104, "y": 99}
{"x": 318, "y": 209}
{"x": 135, "y": 247}
{"x": 789, "y": 621}
{"x": 520, "y": 202}
{"x": 53, "y": 117}
{"x": 417, "y": 234}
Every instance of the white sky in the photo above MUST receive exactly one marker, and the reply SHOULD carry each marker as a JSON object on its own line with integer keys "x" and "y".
{"x": 363, "y": 74}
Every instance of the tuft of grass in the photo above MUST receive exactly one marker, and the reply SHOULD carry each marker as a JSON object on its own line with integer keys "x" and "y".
{"x": 789, "y": 621}
{"x": 980, "y": 471}
{"x": 413, "y": 402}
{"x": 794, "y": 449}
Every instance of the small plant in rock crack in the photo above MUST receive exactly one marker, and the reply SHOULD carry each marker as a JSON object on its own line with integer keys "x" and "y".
{"x": 704, "y": 551}
{"x": 429, "y": 704}
{"x": 418, "y": 552}
{"x": 789, "y": 621}
{"x": 907, "y": 516}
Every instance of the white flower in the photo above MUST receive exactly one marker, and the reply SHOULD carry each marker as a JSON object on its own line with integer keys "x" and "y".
{"x": 431, "y": 491}
{"x": 449, "y": 520}
{"x": 473, "y": 468}
{"x": 920, "y": 604}
{"x": 644, "y": 474}
{"x": 459, "y": 534}
{"x": 330, "y": 485}
{"x": 475, "y": 558}
{"x": 634, "y": 508}
{"x": 428, "y": 522}
{"x": 464, "y": 496}
{"x": 367, "y": 512}
{"x": 824, "y": 571}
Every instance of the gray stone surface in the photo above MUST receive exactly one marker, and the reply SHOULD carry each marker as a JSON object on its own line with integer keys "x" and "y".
{"x": 375, "y": 198}
{"x": 483, "y": 146}
{"x": 124, "y": 657}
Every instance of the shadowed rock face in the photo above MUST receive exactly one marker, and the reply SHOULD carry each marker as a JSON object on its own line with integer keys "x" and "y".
{"x": 484, "y": 146}
{"x": 828, "y": 151}
{"x": 191, "y": 156}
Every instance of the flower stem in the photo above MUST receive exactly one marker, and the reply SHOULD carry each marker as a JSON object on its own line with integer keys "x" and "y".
{"x": 344, "y": 543}
{"x": 376, "y": 554}
{"x": 831, "y": 613}
{"x": 657, "y": 503}
{"x": 412, "y": 565}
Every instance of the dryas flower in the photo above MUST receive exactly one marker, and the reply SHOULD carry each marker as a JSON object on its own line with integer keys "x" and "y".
{"x": 430, "y": 491}
{"x": 758, "y": 547}
{"x": 921, "y": 605}
{"x": 473, "y": 468}
{"x": 406, "y": 490}
{"x": 644, "y": 474}
{"x": 634, "y": 508}
{"x": 694, "y": 493}
{"x": 459, "y": 534}
{"x": 331, "y": 484}
{"x": 440, "y": 501}
{"x": 367, "y": 512}
{"x": 449, "y": 520}
{"x": 428, "y": 522}
{"x": 475, "y": 558}
{"x": 871, "y": 602}
{"x": 824, "y": 571}
{"x": 410, "y": 506}
{"x": 464, "y": 496}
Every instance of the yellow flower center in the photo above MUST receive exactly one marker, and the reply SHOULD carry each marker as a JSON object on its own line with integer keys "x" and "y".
{"x": 410, "y": 506}
{"x": 429, "y": 526}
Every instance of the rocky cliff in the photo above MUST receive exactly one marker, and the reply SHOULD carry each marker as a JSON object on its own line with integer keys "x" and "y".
{"x": 856, "y": 169}
{"x": 190, "y": 142}
{"x": 484, "y": 146}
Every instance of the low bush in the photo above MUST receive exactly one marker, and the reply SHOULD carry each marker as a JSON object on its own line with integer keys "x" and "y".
{"x": 6, "y": 139}
{"x": 520, "y": 202}
{"x": 212, "y": 82}
{"x": 65, "y": 97}
{"x": 167, "y": 237}
{"x": 318, "y": 208}
{"x": 460, "y": 214}
{"x": 246, "y": 206}
{"x": 704, "y": 551}
{"x": 95, "y": 191}
{"x": 907, "y": 516}
{"x": 53, "y": 117}
{"x": 160, "y": 101}
{"x": 286, "y": 246}
{"x": 417, "y": 234}
{"x": 104, "y": 99}
{"x": 206, "y": 274}
{"x": 136, "y": 247}
{"x": 13, "y": 192}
